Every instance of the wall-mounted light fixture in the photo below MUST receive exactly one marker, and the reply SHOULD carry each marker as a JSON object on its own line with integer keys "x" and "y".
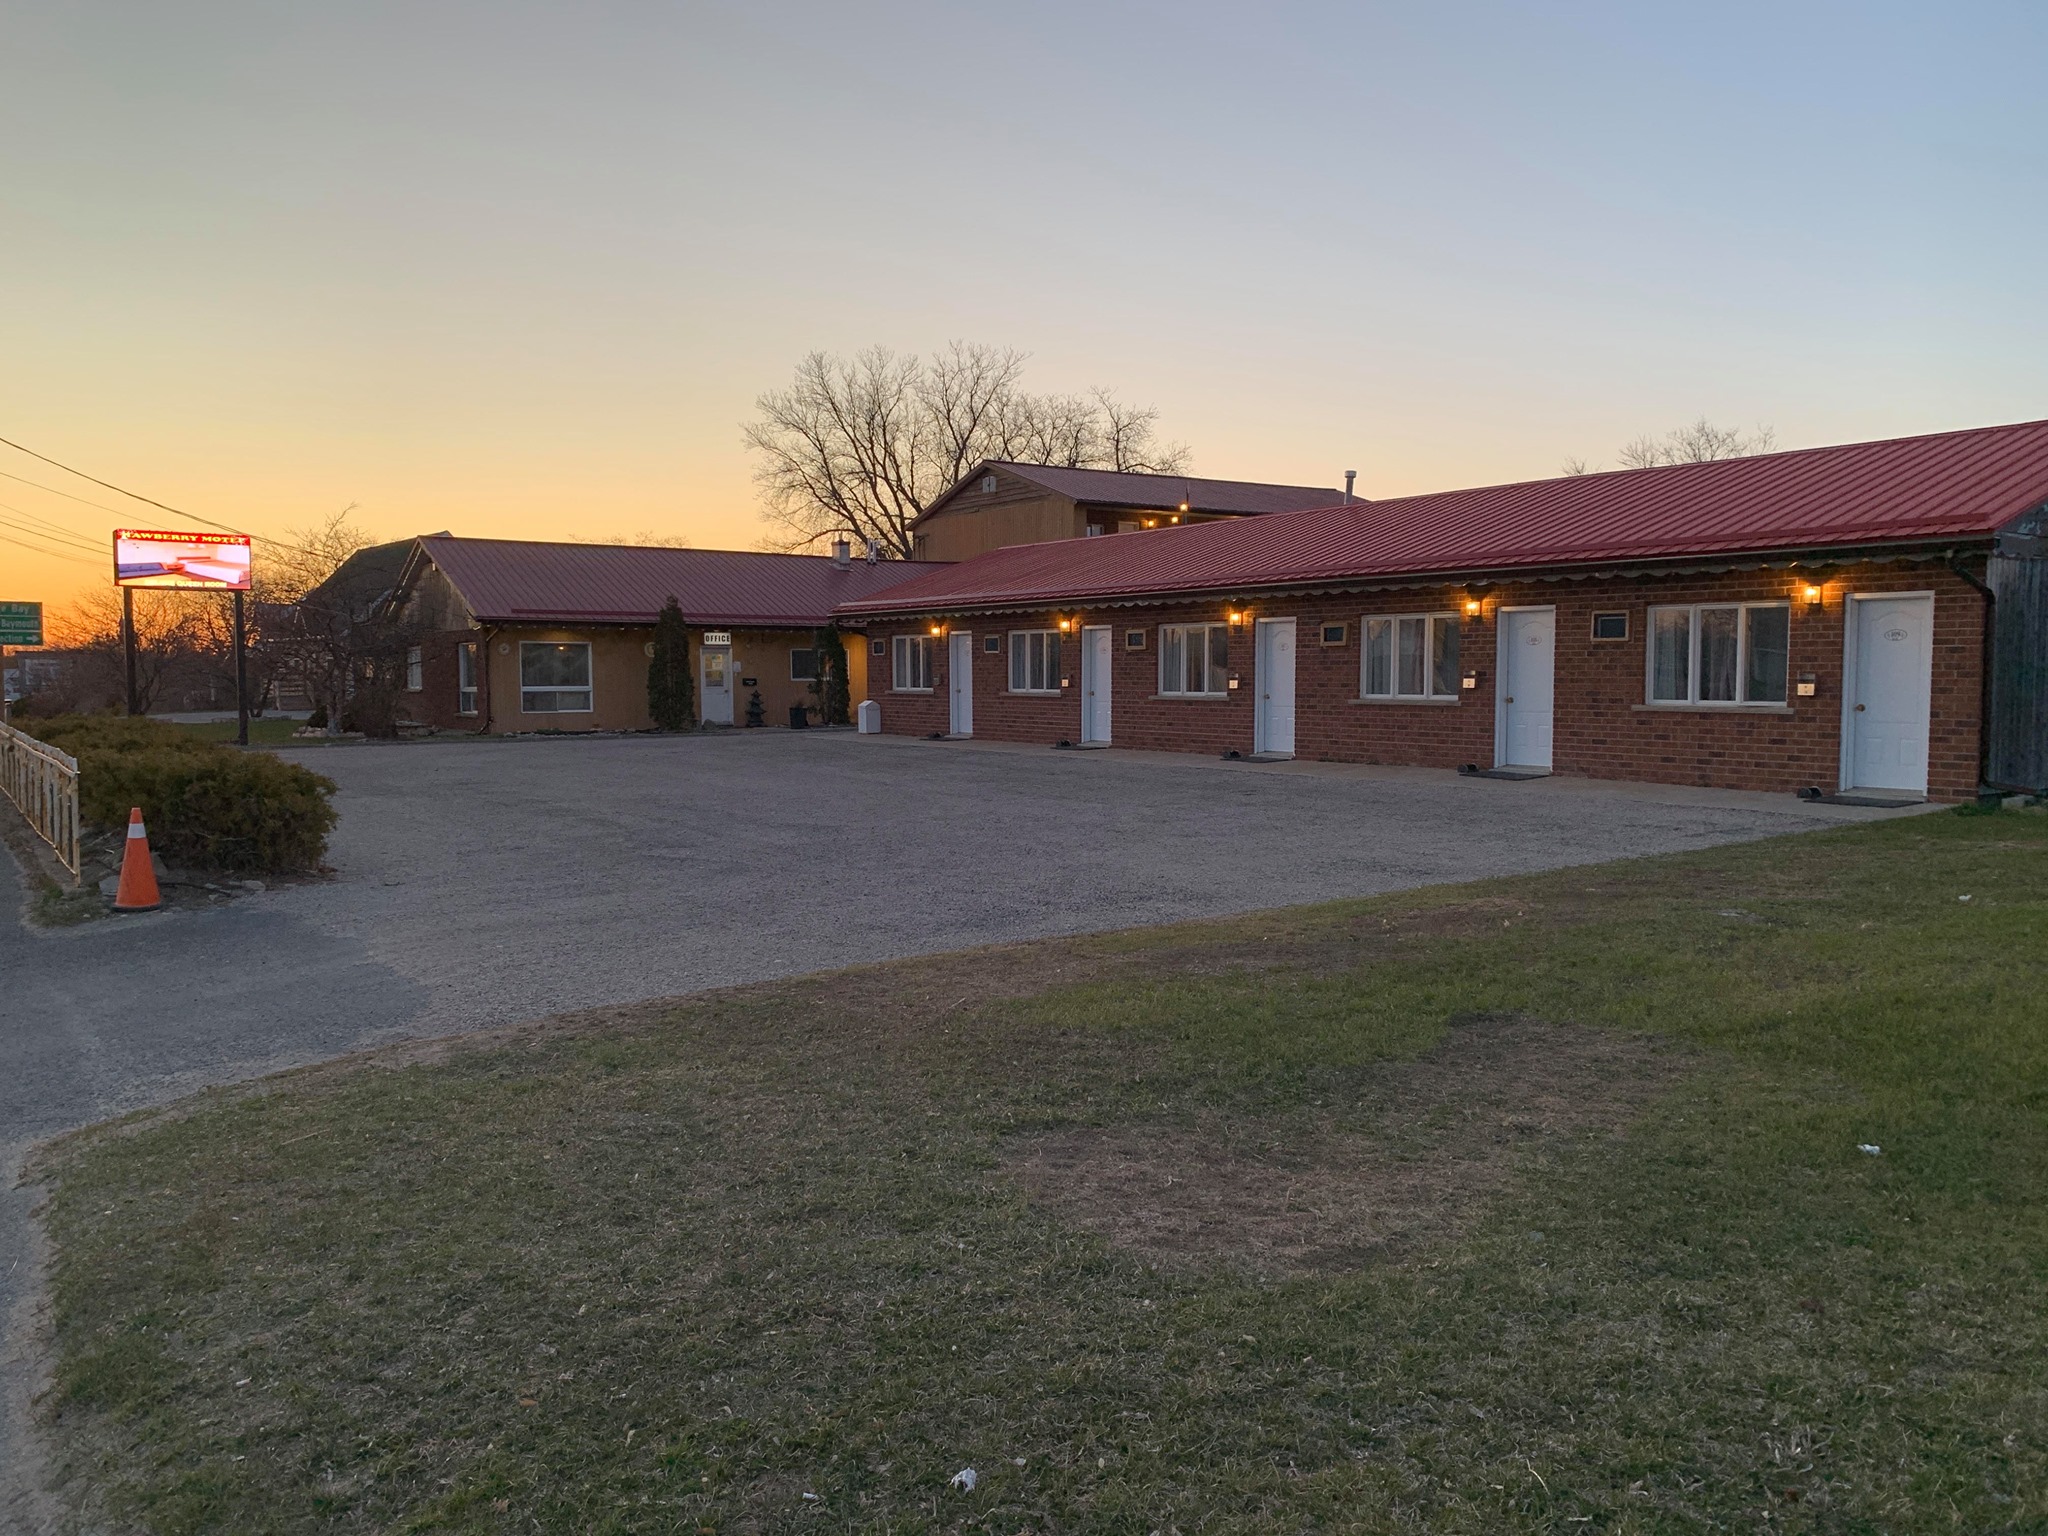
{"x": 1812, "y": 597}
{"x": 938, "y": 629}
{"x": 1236, "y": 617}
{"x": 1175, "y": 518}
{"x": 1472, "y": 607}
{"x": 1065, "y": 625}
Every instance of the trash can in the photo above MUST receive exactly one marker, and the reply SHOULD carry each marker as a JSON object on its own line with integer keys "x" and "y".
{"x": 799, "y": 717}
{"x": 870, "y": 717}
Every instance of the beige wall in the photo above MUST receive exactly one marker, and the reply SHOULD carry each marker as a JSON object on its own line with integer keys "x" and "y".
{"x": 976, "y": 521}
{"x": 618, "y": 664}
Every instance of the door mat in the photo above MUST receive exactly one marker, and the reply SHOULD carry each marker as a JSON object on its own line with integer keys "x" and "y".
{"x": 1514, "y": 775}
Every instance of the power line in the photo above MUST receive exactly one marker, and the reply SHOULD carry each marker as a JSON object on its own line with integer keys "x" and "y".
{"x": 46, "y": 524}
{"x": 54, "y": 554}
{"x": 55, "y": 538}
{"x": 83, "y": 501}
{"x": 119, "y": 491}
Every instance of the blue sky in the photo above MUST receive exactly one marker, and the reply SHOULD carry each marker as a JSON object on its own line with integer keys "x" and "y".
{"x": 521, "y": 269}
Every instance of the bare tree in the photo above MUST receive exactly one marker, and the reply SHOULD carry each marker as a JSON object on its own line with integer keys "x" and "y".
{"x": 170, "y": 646}
{"x": 1701, "y": 442}
{"x": 857, "y": 447}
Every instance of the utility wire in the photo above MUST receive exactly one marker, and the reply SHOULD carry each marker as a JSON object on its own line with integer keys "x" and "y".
{"x": 149, "y": 500}
{"x": 49, "y": 529}
{"x": 54, "y": 554}
{"x": 78, "y": 545}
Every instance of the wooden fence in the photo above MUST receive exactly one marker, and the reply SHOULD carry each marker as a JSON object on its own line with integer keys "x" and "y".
{"x": 43, "y": 784}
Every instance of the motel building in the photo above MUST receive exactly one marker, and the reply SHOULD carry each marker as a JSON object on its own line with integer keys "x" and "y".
{"x": 1870, "y": 619}
{"x": 518, "y": 636}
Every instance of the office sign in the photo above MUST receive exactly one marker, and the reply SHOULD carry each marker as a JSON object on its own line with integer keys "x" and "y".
{"x": 718, "y": 637}
{"x": 21, "y": 623}
{"x": 207, "y": 562}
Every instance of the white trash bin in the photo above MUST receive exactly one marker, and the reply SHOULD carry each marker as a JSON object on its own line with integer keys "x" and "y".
{"x": 870, "y": 717}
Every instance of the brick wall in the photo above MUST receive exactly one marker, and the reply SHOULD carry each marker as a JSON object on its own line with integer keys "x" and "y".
{"x": 1602, "y": 729}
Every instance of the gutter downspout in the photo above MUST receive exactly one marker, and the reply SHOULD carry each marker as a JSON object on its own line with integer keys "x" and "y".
{"x": 1987, "y": 653}
{"x": 484, "y": 678}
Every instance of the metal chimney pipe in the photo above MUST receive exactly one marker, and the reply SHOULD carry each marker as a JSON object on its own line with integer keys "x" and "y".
{"x": 1350, "y": 476}
{"x": 874, "y": 550}
{"x": 842, "y": 553}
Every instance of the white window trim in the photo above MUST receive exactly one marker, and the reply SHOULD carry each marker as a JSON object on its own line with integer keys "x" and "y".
{"x": 817, "y": 664}
{"x": 1020, "y": 647}
{"x": 465, "y": 663}
{"x": 895, "y": 667}
{"x": 415, "y": 669}
{"x": 1166, "y": 692}
{"x": 1429, "y": 695}
{"x": 1692, "y": 659}
{"x": 590, "y": 688}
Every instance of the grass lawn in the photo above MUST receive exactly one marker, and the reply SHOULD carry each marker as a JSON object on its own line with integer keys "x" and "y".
{"x": 1532, "y": 1205}
{"x": 267, "y": 731}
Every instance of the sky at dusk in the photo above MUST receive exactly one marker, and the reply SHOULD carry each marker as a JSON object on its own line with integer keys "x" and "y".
{"x": 521, "y": 270}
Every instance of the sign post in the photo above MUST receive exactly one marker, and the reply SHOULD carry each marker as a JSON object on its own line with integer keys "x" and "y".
{"x": 20, "y": 624}
{"x": 185, "y": 562}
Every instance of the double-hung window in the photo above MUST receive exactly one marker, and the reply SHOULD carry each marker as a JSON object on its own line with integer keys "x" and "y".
{"x": 413, "y": 669}
{"x": 465, "y": 679}
{"x": 803, "y": 664}
{"x": 1410, "y": 656}
{"x": 554, "y": 677}
{"x": 1720, "y": 653}
{"x": 1194, "y": 660}
{"x": 1034, "y": 661}
{"x": 912, "y": 657}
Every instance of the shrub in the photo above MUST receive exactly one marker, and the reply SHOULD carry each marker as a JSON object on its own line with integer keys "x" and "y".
{"x": 207, "y": 806}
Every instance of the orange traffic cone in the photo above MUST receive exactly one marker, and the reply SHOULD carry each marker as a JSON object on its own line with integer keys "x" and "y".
{"x": 138, "y": 892}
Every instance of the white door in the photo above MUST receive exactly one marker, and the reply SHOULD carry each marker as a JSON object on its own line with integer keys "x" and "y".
{"x": 1095, "y": 655}
{"x": 960, "y": 682}
{"x": 1273, "y": 728}
{"x": 715, "y": 687}
{"x": 1890, "y": 669}
{"x": 1528, "y": 658}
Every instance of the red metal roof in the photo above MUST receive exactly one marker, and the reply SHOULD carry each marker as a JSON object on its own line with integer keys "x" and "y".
{"x": 516, "y": 580}
{"x": 1161, "y": 493}
{"x": 1952, "y": 485}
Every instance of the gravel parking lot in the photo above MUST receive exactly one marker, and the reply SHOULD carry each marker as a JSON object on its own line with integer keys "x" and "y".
{"x": 484, "y": 882}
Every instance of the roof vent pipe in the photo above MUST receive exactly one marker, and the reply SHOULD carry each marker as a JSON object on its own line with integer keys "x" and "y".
{"x": 842, "y": 553}
{"x": 874, "y": 550}
{"x": 1350, "y": 477}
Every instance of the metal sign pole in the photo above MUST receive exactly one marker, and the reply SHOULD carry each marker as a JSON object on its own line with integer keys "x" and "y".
{"x": 128, "y": 644}
{"x": 241, "y": 674}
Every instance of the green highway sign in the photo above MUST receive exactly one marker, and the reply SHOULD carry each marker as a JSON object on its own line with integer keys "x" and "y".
{"x": 21, "y": 623}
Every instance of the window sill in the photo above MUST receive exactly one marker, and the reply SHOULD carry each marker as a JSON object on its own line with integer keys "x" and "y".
{"x": 1193, "y": 698}
{"x": 910, "y": 690}
{"x": 1436, "y": 702}
{"x": 1032, "y": 693}
{"x": 1713, "y": 709}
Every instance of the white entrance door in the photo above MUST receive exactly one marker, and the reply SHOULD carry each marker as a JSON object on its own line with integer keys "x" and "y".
{"x": 1273, "y": 728}
{"x": 1890, "y": 669}
{"x": 1528, "y": 659}
{"x": 1095, "y": 656}
{"x": 960, "y": 682}
{"x": 715, "y": 684}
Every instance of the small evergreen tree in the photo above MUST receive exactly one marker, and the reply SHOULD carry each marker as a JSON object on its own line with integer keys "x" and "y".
{"x": 671, "y": 688}
{"x": 834, "y": 691}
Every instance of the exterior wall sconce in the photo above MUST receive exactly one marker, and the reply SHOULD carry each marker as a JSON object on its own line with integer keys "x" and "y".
{"x": 1472, "y": 607}
{"x": 938, "y": 629}
{"x": 1065, "y": 625}
{"x": 1812, "y": 596}
{"x": 1237, "y": 617}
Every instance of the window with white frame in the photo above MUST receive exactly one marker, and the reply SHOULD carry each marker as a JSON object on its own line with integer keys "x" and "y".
{"x": 465, "y": 679}
{"x": 912, "y": 658}
{"x": 1194, "y": 660}
{"x": 1034, "y": 661}
{"x": 1719, "y": 653}
{"x": 1410, "y": 656}
{"x": 554, "y": 677}
{"x": 413, "y": 669}
{"x": 803, "y": 664}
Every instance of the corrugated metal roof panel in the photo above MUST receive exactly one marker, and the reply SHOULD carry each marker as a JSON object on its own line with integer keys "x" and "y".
{"x": 512, "y": 580}
{"x": 1950, "y": 485}
{"x": 1120, "y": 488}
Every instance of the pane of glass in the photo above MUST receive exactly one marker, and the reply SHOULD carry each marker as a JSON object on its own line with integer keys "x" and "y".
{"x": 1769, "y": 655}
{"x": 1720, "y": 640}
{"x": 1408, "y": 652}
{"x": 1172, "y": 643}
{"x": 1443, "y": 669}
{"x": 1196, "y": 678}
{"x": 1379, "y": 658}
{"x": 1670, "y": 654}
{"x": 1219, "y": 658}
{"x": 1020, "y": 663}
{"x": 545, "y": 665}
{"x": 803, "y": 665}
{"x": 1052, "y": 658}
{"x": 714, "y": 669}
